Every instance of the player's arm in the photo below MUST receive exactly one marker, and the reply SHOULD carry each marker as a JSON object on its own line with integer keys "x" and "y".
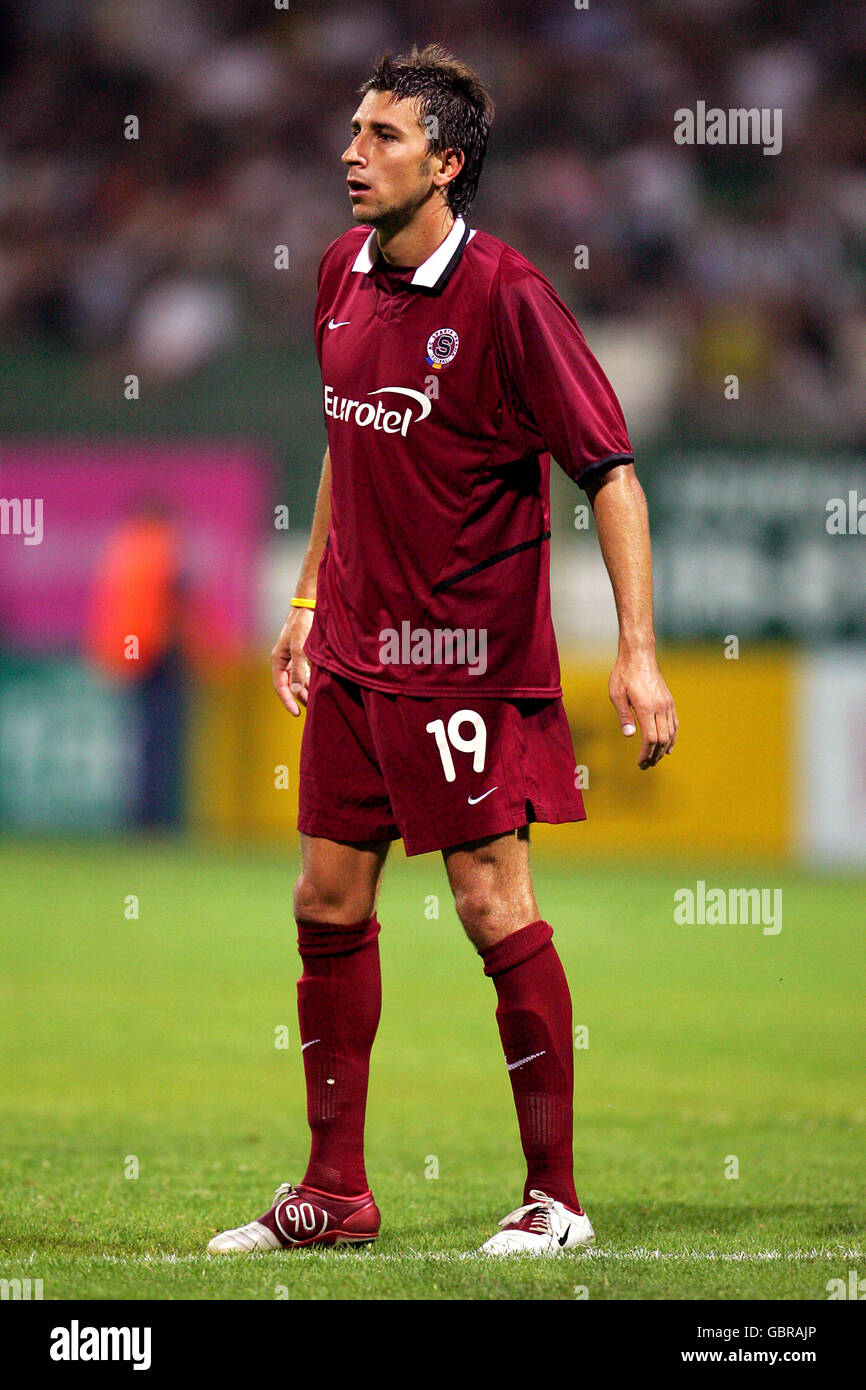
{"x": 291, "y": 670}
{"x": 636, "y": 683}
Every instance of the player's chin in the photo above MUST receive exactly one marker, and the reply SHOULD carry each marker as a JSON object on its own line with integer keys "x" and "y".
{"x": 366, "y": 215}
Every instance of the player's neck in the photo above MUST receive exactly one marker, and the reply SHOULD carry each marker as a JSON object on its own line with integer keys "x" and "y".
{"x": 414, "y": 243}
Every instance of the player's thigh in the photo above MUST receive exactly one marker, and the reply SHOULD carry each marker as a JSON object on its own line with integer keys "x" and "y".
{"x": 339, "y": 881}
{"x": 342, "y": 795}
{"x": 492, "y": 886}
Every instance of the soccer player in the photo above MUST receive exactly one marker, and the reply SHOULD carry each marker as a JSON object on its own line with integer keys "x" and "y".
{"x": 420, "y": 638}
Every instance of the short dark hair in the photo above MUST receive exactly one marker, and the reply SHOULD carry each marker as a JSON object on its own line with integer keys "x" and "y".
{"x": 455, "y": 96}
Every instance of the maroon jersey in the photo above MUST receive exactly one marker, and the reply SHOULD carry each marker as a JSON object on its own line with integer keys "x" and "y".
{"x": 446, "y": 387}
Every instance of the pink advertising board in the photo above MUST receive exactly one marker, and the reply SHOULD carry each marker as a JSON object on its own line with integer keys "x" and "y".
{"x": 59, "y": 503}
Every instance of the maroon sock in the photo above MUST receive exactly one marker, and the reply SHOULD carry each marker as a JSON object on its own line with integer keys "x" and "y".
{"x": 534, "y": 1017}
{"x": 339, "y": 1002}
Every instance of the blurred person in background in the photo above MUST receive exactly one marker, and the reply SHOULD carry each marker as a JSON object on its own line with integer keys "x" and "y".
{"x": 135, "y": 634}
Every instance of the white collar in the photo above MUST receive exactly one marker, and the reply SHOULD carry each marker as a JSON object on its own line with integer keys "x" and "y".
{"x": 429, "y": 271}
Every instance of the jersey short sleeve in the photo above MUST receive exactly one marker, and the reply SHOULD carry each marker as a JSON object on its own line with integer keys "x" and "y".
{"x": 550, "y": 377}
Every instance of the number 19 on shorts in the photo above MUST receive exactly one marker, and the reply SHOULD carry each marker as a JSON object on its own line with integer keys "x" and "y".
{"x": 476, "y": 745}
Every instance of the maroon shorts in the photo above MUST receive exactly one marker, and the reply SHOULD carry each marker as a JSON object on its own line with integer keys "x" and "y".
{"x": 437, "y": 771}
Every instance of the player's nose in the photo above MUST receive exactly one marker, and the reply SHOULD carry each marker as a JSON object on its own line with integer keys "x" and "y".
{"x": 352, "y": 154}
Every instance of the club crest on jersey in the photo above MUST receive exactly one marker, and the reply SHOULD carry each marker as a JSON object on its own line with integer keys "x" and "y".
{"x": 442, "y": 348}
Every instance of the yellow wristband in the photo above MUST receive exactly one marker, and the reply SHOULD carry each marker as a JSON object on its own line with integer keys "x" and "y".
{"x": 303, "y": 603}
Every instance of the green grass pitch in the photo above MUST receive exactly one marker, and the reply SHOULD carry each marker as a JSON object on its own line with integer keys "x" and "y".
{"x": 148, "y": 1044}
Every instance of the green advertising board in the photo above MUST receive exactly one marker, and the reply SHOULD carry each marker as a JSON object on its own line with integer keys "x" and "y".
{"x": 69, "y": 748}
{"x": 760, "y": 545}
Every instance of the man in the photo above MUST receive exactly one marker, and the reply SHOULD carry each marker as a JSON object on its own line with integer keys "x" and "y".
{"x": 420, "y": 638}
{"x": 139, "y": 587}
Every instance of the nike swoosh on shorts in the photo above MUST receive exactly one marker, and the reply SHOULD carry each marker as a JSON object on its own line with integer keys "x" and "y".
{"x": 473, "y": 800}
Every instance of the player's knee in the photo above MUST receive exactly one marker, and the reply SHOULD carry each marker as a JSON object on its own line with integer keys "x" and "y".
{"x": 477, "y": 911}
{"x": 324, "y": 900}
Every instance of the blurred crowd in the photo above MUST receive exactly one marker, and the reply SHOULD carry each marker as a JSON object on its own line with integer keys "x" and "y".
{"x": 704, "y": 262}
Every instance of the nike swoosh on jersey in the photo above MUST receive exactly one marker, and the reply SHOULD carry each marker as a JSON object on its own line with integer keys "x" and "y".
{"x": 344, "y": 324}
{"x": 474, "y": 800}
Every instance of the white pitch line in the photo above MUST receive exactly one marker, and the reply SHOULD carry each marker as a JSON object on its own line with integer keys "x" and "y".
{"x": 638, "y": 1254}
{"x": 734, "y": 1255}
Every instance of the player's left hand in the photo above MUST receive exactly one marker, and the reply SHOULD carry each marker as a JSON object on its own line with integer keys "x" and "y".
{"x": 637, "y": 684}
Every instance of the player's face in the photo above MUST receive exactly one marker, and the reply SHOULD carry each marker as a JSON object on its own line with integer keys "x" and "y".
{"x": 389, "y": 173}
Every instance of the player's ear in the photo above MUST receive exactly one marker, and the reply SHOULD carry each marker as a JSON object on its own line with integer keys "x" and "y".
{"x": 451, "y": 162}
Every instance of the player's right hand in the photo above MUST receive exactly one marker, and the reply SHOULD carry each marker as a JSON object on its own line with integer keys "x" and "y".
{"x": 291, "y": 670}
